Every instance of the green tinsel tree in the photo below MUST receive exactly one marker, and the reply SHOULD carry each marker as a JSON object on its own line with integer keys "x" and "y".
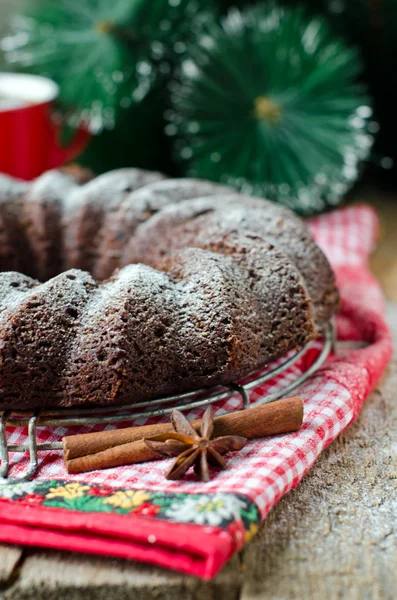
{"x": 268, "y": 101}
{"x": 106, "y": 55}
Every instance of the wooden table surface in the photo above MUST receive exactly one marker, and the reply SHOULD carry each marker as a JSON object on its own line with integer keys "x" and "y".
{"x": 332, "y": 538}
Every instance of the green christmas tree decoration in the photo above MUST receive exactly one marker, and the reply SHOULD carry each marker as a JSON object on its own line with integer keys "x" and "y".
{"x": 268, "y": 100}
{"x": 106, "y": 55}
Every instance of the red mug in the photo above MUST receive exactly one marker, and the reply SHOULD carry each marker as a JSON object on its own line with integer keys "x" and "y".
{"x": 29, "y": 137}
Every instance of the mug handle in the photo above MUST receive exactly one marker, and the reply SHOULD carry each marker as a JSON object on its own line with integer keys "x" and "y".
{"x": 60, "y": 154}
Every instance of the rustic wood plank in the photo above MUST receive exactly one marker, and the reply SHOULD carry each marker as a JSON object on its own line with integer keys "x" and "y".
{"x": 9, "y": 559}
{"x": 335, "y": 536}
{"x": 65, "y": 576}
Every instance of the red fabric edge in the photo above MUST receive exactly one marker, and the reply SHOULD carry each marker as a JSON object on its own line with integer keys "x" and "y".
{"x": 188, "y": 548}
{"x": 366, "y": 365}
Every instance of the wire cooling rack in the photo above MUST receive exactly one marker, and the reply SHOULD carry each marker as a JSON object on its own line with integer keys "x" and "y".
{"x": 70, "y": 417}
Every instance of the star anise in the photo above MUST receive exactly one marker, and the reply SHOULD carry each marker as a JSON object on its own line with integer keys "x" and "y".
{"x": 193, "y": 448}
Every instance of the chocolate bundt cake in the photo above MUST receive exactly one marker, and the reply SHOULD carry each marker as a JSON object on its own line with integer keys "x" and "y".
{"x": 149, "y": 286}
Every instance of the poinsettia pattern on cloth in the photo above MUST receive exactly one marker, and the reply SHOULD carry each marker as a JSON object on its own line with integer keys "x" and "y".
{"x": 193, "y": 526}
{"x": 229, "y": 511}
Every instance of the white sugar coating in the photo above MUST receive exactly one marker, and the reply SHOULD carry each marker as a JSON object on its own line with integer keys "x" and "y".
{"x": 147, "y": 279}
{"x": 14, "y": 287}
{"x": 10, "y": 187}
{"x": 156, "y": 195}
{"x": 52, "y": 185}
{"x": 108, "y": 189}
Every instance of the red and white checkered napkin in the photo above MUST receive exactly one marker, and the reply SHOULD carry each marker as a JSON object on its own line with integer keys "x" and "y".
{"x": 201, "y": 532}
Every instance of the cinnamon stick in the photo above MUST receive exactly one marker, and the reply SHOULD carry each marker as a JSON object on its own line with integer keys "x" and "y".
{"x": 117, "y": 456}
{"x": 92, "y": 451}
{"x": 75, "y": 446}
